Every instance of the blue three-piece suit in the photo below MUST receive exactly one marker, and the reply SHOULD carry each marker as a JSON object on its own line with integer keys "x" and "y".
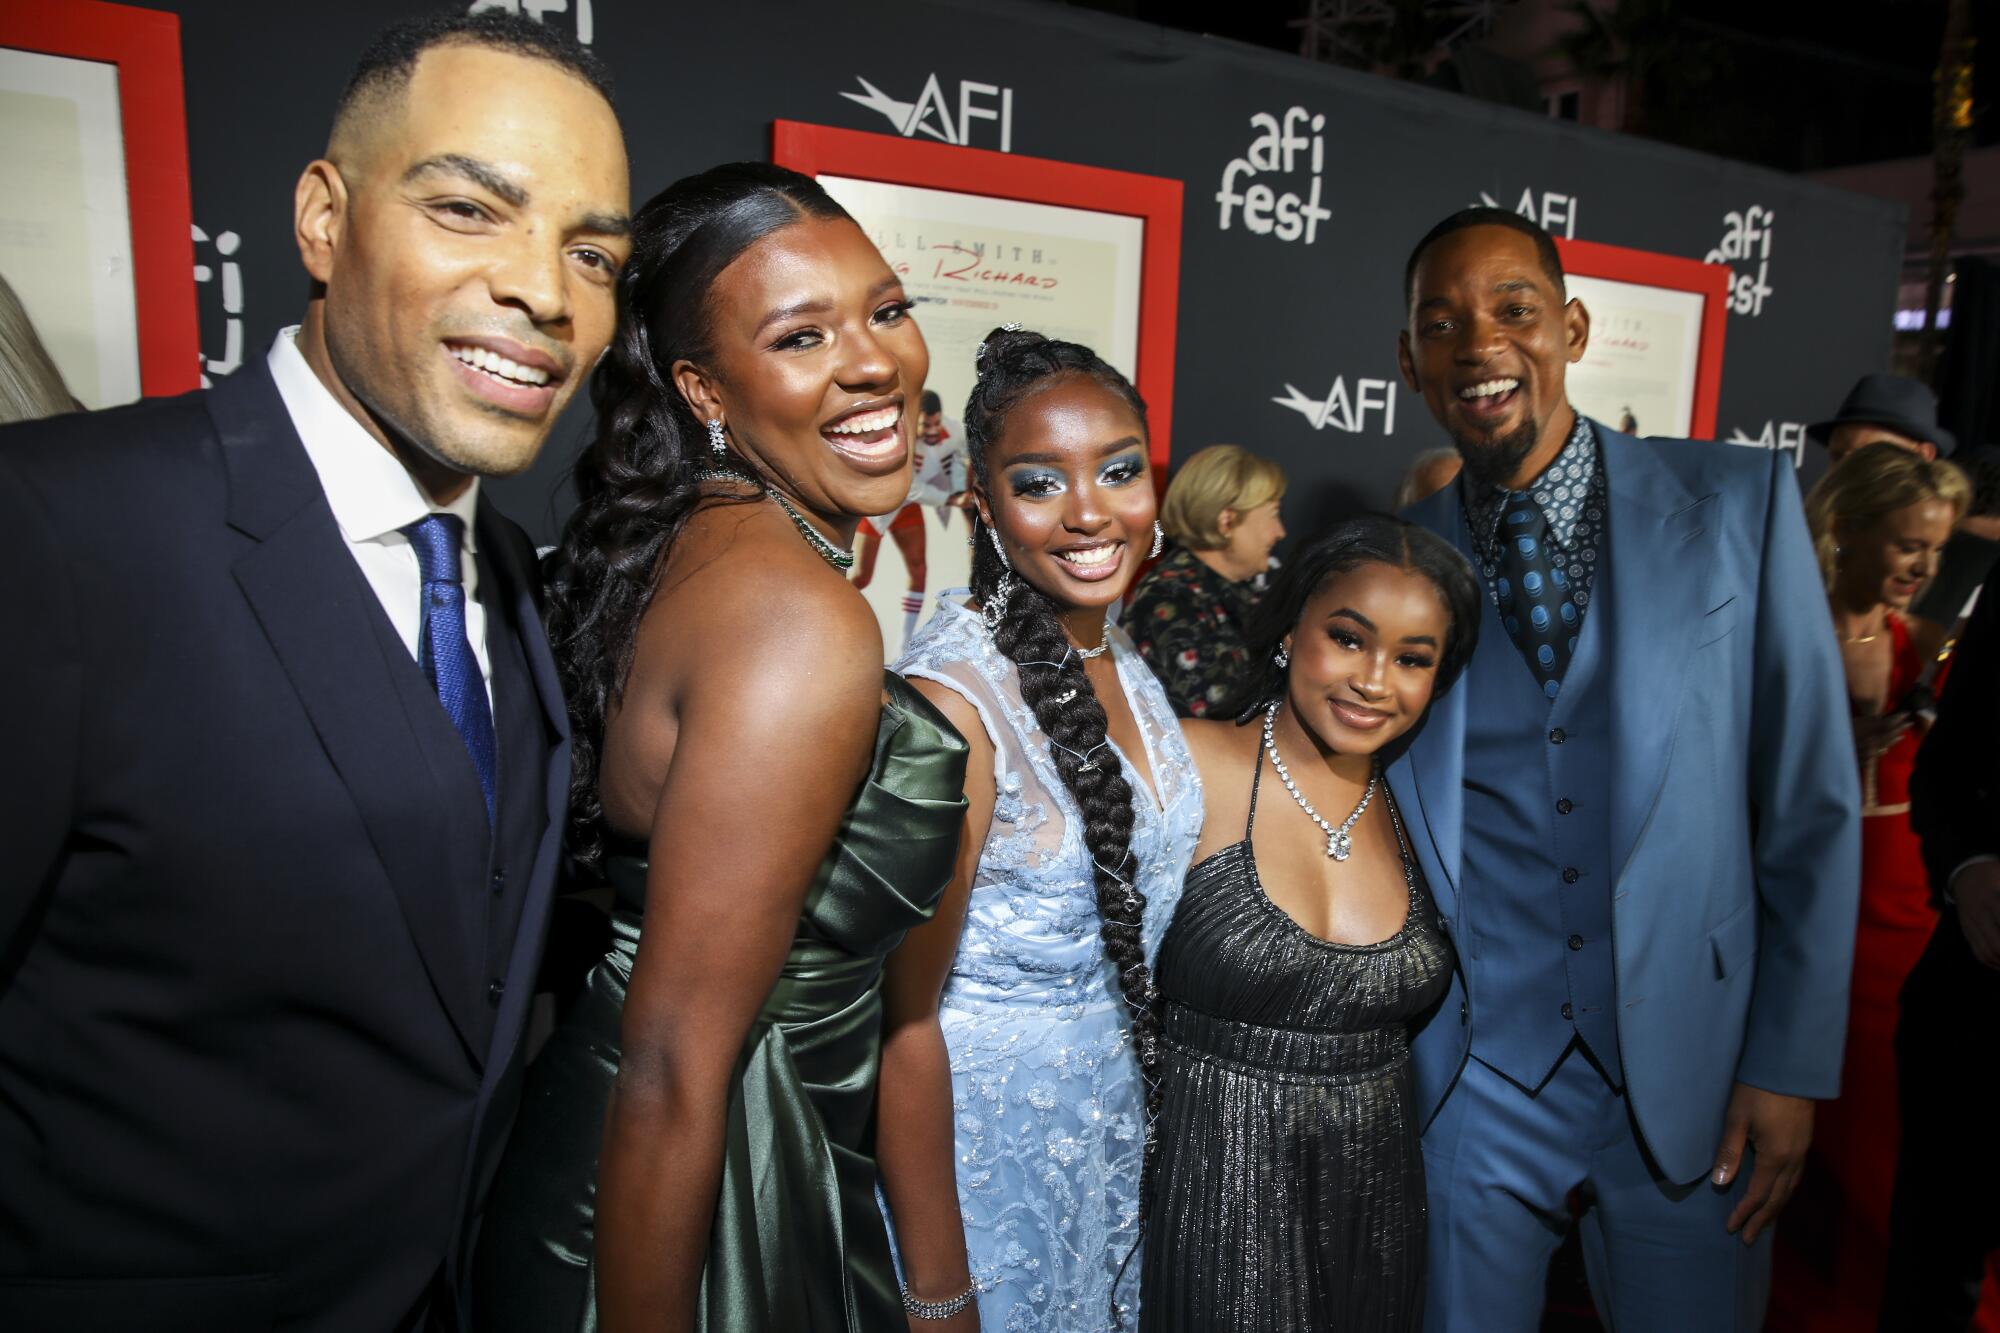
{"x": 1651, "y": 878}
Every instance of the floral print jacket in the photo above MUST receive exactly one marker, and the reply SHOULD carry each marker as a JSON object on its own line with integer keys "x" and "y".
{"x": 1189, "y": 623}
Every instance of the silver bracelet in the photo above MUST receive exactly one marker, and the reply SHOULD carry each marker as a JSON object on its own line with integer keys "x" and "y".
{"x": 939, "y": 1309}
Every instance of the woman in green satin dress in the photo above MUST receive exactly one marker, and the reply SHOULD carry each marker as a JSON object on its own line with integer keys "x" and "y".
{"x": 771, "y": 810}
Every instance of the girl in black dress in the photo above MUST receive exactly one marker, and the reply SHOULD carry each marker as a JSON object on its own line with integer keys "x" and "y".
{"x": 1288, "y": 1188}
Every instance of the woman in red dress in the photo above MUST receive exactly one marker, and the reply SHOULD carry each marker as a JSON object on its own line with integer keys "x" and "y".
{"x": 1879, "y": 519}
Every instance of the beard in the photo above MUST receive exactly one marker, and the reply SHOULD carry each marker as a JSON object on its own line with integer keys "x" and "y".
{"x": 1496, "y": 459}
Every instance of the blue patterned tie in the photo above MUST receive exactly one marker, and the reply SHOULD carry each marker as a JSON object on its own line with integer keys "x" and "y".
{"x": 1533, "y": 594}
{"x": 444, "y": 651}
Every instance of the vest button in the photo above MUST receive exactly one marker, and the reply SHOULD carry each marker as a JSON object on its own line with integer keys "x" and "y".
{"x": 497, "y": 988}
{"x": 1571, "y": 874}
{"x": 499, "y": 882}
{"x": 1558, "y": 736}
{"x": 1567, "y": 1011}
{"x": 1564, "y": 806}
{"x": 1576, "y": 941}
{"x": 1464, "y": 1012}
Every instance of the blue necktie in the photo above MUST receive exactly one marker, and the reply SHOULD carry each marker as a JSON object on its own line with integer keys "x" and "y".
{"x": 444, "y": 652}
{"x": 1533, "y": 594}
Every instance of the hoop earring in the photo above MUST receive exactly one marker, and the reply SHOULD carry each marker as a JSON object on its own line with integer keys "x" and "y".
{"x": 1159, "y": 540}
{"x": 995, "y": 609}
{"x": 716, "y": 440}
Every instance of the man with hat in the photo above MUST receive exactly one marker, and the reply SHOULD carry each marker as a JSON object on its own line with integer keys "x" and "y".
{"x": 1885, "y": 408}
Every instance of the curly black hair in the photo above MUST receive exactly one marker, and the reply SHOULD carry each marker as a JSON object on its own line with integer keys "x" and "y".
{"x": 1014, "y": 365}
{"x": 1367, "y": 539}
{"x": 636, "y": 482}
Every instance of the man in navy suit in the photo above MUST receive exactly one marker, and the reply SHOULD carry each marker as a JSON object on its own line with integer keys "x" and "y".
{"x": 286, "y": 757}
{"x": 1642, "y": 828}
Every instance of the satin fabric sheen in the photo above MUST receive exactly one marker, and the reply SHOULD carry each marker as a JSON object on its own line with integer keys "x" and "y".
{"x": 797, "y": 1241}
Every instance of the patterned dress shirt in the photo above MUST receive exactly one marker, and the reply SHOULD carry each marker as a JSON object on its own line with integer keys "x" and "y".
{"x": 1570, "y": 494}
{"x": 1189, "y": 623}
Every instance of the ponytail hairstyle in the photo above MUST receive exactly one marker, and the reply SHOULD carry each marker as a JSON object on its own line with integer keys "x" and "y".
{"x": 1013, "y": 365}
{"x": 636, "y": 481}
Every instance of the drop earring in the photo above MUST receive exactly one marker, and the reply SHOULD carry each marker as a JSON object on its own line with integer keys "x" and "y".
{"x": 1159, "y": 540}
{"x": 995, "y": 608}
{"x": 1281, "y": 657}
{"x": 716, "y": 440}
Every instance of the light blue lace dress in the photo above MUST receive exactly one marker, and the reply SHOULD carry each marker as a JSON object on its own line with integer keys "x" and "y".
{"x": 1045, "y": 1085}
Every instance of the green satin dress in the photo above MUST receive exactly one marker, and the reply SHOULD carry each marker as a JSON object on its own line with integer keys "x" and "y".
{"x": 798, "y": 1241}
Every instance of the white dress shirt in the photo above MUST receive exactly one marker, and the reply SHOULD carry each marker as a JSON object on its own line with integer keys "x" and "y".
{"x": 373, "y": 499}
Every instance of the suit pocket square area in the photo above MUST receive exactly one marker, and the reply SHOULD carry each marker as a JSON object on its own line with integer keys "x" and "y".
{"x": 1734, "y": 942}
{"x": 1717, "y": 623}
{"x": 239, "y": 1304}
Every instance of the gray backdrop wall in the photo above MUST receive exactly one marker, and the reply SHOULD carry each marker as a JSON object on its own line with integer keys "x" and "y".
{"x": 700, "y": 84}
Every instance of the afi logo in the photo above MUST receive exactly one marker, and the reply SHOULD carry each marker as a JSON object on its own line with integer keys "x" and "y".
{"x": 1786, "y": 436}
{"x": 537, "y": 9}
{"x": 931, "y": 114}
{"x": 1555, "y": 215}
{"x": 231, "y": 273}
{"x": 1747, "y": 238}
{"x": 1276, "y": 151}
{"x": 1340, "y": 411}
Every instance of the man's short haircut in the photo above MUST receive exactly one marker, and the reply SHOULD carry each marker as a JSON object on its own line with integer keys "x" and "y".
{"x": 1480, "y": 215}
{"x": 386, "y": 67}
{"x": 932, "y": 403}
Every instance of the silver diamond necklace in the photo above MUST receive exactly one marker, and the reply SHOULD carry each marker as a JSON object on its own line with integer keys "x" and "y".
{"x": 833, "y": 555}
{"x": 1338, "y": 845}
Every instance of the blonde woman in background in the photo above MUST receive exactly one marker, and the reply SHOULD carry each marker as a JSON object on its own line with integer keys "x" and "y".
{"x": 30, "y": 385}
{"x": 1187, "y": 615}
{"x": 1879, "y": 520}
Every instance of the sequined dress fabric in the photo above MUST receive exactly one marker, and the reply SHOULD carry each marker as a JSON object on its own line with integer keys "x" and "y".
{"x": 1048, "y": 1110}
{"x": 1289, "y": 1185}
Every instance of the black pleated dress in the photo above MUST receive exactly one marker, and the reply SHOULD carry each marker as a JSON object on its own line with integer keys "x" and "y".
{"x": 1288, "y": 1189}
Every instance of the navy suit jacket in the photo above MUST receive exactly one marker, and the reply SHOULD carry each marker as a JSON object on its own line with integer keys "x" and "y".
{"x": 1735, "y": 805}
{"x": 253, "y": 1074}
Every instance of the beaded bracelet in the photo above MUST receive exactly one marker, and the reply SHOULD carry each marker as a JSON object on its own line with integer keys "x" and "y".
{"x": 939, "y": 1309}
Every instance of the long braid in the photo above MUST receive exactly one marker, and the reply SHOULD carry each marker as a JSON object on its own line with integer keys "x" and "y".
{"x": 1012, "y": 365}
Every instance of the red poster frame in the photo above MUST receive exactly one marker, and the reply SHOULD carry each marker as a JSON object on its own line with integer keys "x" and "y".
{"x": 145, "y": 45}
{"x": 816, "y": 150}
{"x": 1593, "y": 259}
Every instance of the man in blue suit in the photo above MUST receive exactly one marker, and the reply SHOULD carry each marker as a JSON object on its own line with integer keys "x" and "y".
{"x": 287, "y": 758}
{"x": 1642, "y": 828}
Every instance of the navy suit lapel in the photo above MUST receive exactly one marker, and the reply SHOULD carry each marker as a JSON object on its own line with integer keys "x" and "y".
{"x": 518, "y": 588}
{"x": 520, "y": 583}
{"x": 318, "y": 612}
{"x": 1430, "y": 779}
{"x": 1660, "y": 543}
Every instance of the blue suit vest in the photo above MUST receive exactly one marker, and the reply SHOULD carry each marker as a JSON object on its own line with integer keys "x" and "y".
{"x": 1537, "y": 854}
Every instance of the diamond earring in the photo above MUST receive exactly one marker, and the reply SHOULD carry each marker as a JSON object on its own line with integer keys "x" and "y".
{"x": 1281, "y": 657}
{"x": 1159, "y": 540}
{"x": 995, "y": 608}
{"x": 716, "y": 440}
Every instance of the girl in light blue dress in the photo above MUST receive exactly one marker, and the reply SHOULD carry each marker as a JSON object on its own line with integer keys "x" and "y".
{"x": 1022, "y": 1034}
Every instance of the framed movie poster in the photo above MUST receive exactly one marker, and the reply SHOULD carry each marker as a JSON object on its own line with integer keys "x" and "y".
{"x": 985, "y": 238}
{"x": 95, "y": 223}
{"x": 1654, "y": 365}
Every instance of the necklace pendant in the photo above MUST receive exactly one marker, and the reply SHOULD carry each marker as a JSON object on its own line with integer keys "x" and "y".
{"x": 1338, "y": 847}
